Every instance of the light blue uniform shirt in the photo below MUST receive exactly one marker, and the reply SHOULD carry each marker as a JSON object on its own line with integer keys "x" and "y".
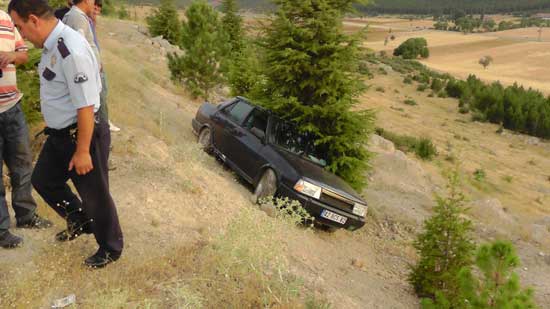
{"x": 69, "y": 77}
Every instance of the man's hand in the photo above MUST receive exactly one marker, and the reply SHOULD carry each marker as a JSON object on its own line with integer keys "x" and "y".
{"x": 7, "y": 58}
{"x": 82, "y": 163}
{"x": 82, "y": 160}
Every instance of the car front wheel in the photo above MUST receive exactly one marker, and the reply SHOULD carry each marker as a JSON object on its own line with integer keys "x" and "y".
{"x": 205, "y": 139}
{"x": 267, "y": 186}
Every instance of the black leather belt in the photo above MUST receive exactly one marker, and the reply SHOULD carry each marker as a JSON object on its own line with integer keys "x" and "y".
{"x": 68, "y": 131}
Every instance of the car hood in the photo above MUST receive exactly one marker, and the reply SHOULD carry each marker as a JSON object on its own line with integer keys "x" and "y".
{"x": 319, "y": 176}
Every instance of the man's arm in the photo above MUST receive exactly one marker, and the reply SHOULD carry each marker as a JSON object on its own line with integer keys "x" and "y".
{"x": 17, "y": 57}
{"x": 82, "y": 160}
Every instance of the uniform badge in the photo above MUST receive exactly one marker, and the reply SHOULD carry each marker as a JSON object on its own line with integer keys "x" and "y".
{"x": 53, "y": 61}
{"x": 80, "y": 78}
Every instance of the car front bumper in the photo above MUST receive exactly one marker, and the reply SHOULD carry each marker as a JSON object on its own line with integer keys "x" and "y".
{"x": 314, "y": 207}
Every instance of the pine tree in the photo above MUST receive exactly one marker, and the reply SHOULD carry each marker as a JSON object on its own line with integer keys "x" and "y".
{"x": 233, "y": 25}
{"x": 498, "y": 286}
{"x": 445, "y": 247}
{"x": 164, "y": 21}
{"x": 244, "y": 73}
{"x": 312, "y": 78}
{"x": 204, "y": 46}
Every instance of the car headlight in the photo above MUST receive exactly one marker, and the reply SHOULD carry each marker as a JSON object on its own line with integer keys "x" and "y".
{"x": 360, "y": 210}
{"x": 308, "y": 189}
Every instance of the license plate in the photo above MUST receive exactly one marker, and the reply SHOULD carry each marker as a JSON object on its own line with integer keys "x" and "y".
{"x": 333, "y": 217}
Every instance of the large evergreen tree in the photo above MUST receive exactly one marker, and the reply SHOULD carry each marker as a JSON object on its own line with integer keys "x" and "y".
{"x": 445, "y": 247}
{"x": 164, "y": 21}
{"x": 312, "y": 75}
{"x": 233, "y": 25}
{"x": 204, "y": 46}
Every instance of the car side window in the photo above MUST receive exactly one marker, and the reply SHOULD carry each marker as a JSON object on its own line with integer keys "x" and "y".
{"x": 257, "y": 119}
{"x": 239, "y": 111}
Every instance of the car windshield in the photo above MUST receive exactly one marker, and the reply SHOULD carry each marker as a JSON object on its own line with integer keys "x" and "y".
{"x": 290, "y": 138}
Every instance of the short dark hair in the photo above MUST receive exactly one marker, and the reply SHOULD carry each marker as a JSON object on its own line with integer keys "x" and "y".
{"x": 25, "y": 8}
{"x": 75, "y": 2}
{"x": 98, "y": 3}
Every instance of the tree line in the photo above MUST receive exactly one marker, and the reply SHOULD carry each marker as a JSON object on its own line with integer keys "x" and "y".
{"x": 447, "y": 7}
{"x": 516, "y": 108}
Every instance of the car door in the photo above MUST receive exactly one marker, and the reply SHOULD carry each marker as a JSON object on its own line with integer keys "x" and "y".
{"x": 245, "y": 144}
{"x": 226, "y": 121}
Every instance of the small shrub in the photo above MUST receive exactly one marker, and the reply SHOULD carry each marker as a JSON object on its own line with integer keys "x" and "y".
{"x": 425, "y": 149}
{"x": 380, "y": 89}
{"x": 423, "y": 78}
{"x": 479, "y": 175}
{"x": 408, "y": 80}
{"x": 478, "y": 116}
{"x": 122, "y": 12}
{"x": 442, "y": 94}
{"x": 464, "y": 109}
{"x": 431, "y": 95}
{"x": 410, "y": 102}
{"x": 382, "y": 71}
{"x": 437, "y": 85}
{"x": 422, "y": 87}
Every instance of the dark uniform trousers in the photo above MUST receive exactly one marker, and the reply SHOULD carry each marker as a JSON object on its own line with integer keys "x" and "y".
{"x": 96, "y": 209}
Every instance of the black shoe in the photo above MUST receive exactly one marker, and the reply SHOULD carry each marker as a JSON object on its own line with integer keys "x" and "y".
{"x": 72, "y": 232}
{"x": 36, "y": 222}
{"x": 101, "y": 258}
{"x": 8, "y": 240}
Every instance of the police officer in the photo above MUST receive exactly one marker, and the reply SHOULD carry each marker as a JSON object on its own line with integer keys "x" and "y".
{"x": 69, "y": 92}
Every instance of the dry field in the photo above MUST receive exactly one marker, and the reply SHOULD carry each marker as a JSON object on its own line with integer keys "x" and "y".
{"x": 518, "y": 56}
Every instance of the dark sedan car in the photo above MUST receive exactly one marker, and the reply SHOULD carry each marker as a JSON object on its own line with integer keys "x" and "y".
{"x": 278, "y": 160}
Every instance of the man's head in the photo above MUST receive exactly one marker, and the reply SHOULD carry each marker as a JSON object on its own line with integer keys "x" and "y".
{"x": 87, "y": 6}
{"x": 97, "y": 9}
{"x": 34, "y": 19}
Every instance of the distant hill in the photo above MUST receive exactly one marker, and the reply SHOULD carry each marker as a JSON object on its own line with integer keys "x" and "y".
{"x": 407, "y": 6}
{"x": 257, "y": 5}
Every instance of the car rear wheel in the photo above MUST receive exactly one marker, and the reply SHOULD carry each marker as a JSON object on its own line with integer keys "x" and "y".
{"x": 205, "y": 139}
{"x": 267, "y": 186}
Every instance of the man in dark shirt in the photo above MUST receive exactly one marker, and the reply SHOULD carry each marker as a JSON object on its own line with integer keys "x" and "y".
{"x": 60, "y": 13}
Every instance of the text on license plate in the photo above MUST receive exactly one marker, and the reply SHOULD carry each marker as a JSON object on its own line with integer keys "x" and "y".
{"x": 333, "y": 217}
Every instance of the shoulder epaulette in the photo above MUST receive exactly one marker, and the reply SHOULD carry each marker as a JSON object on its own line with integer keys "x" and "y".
{"x": 63, "y": 50}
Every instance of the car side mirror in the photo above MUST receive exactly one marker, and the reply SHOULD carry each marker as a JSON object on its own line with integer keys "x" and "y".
{"x": 258, "y": 133}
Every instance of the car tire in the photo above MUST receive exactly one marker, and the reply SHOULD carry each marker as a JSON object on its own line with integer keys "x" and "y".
{"x": 205, "y": 139}
{"x": 267, "y": 186}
